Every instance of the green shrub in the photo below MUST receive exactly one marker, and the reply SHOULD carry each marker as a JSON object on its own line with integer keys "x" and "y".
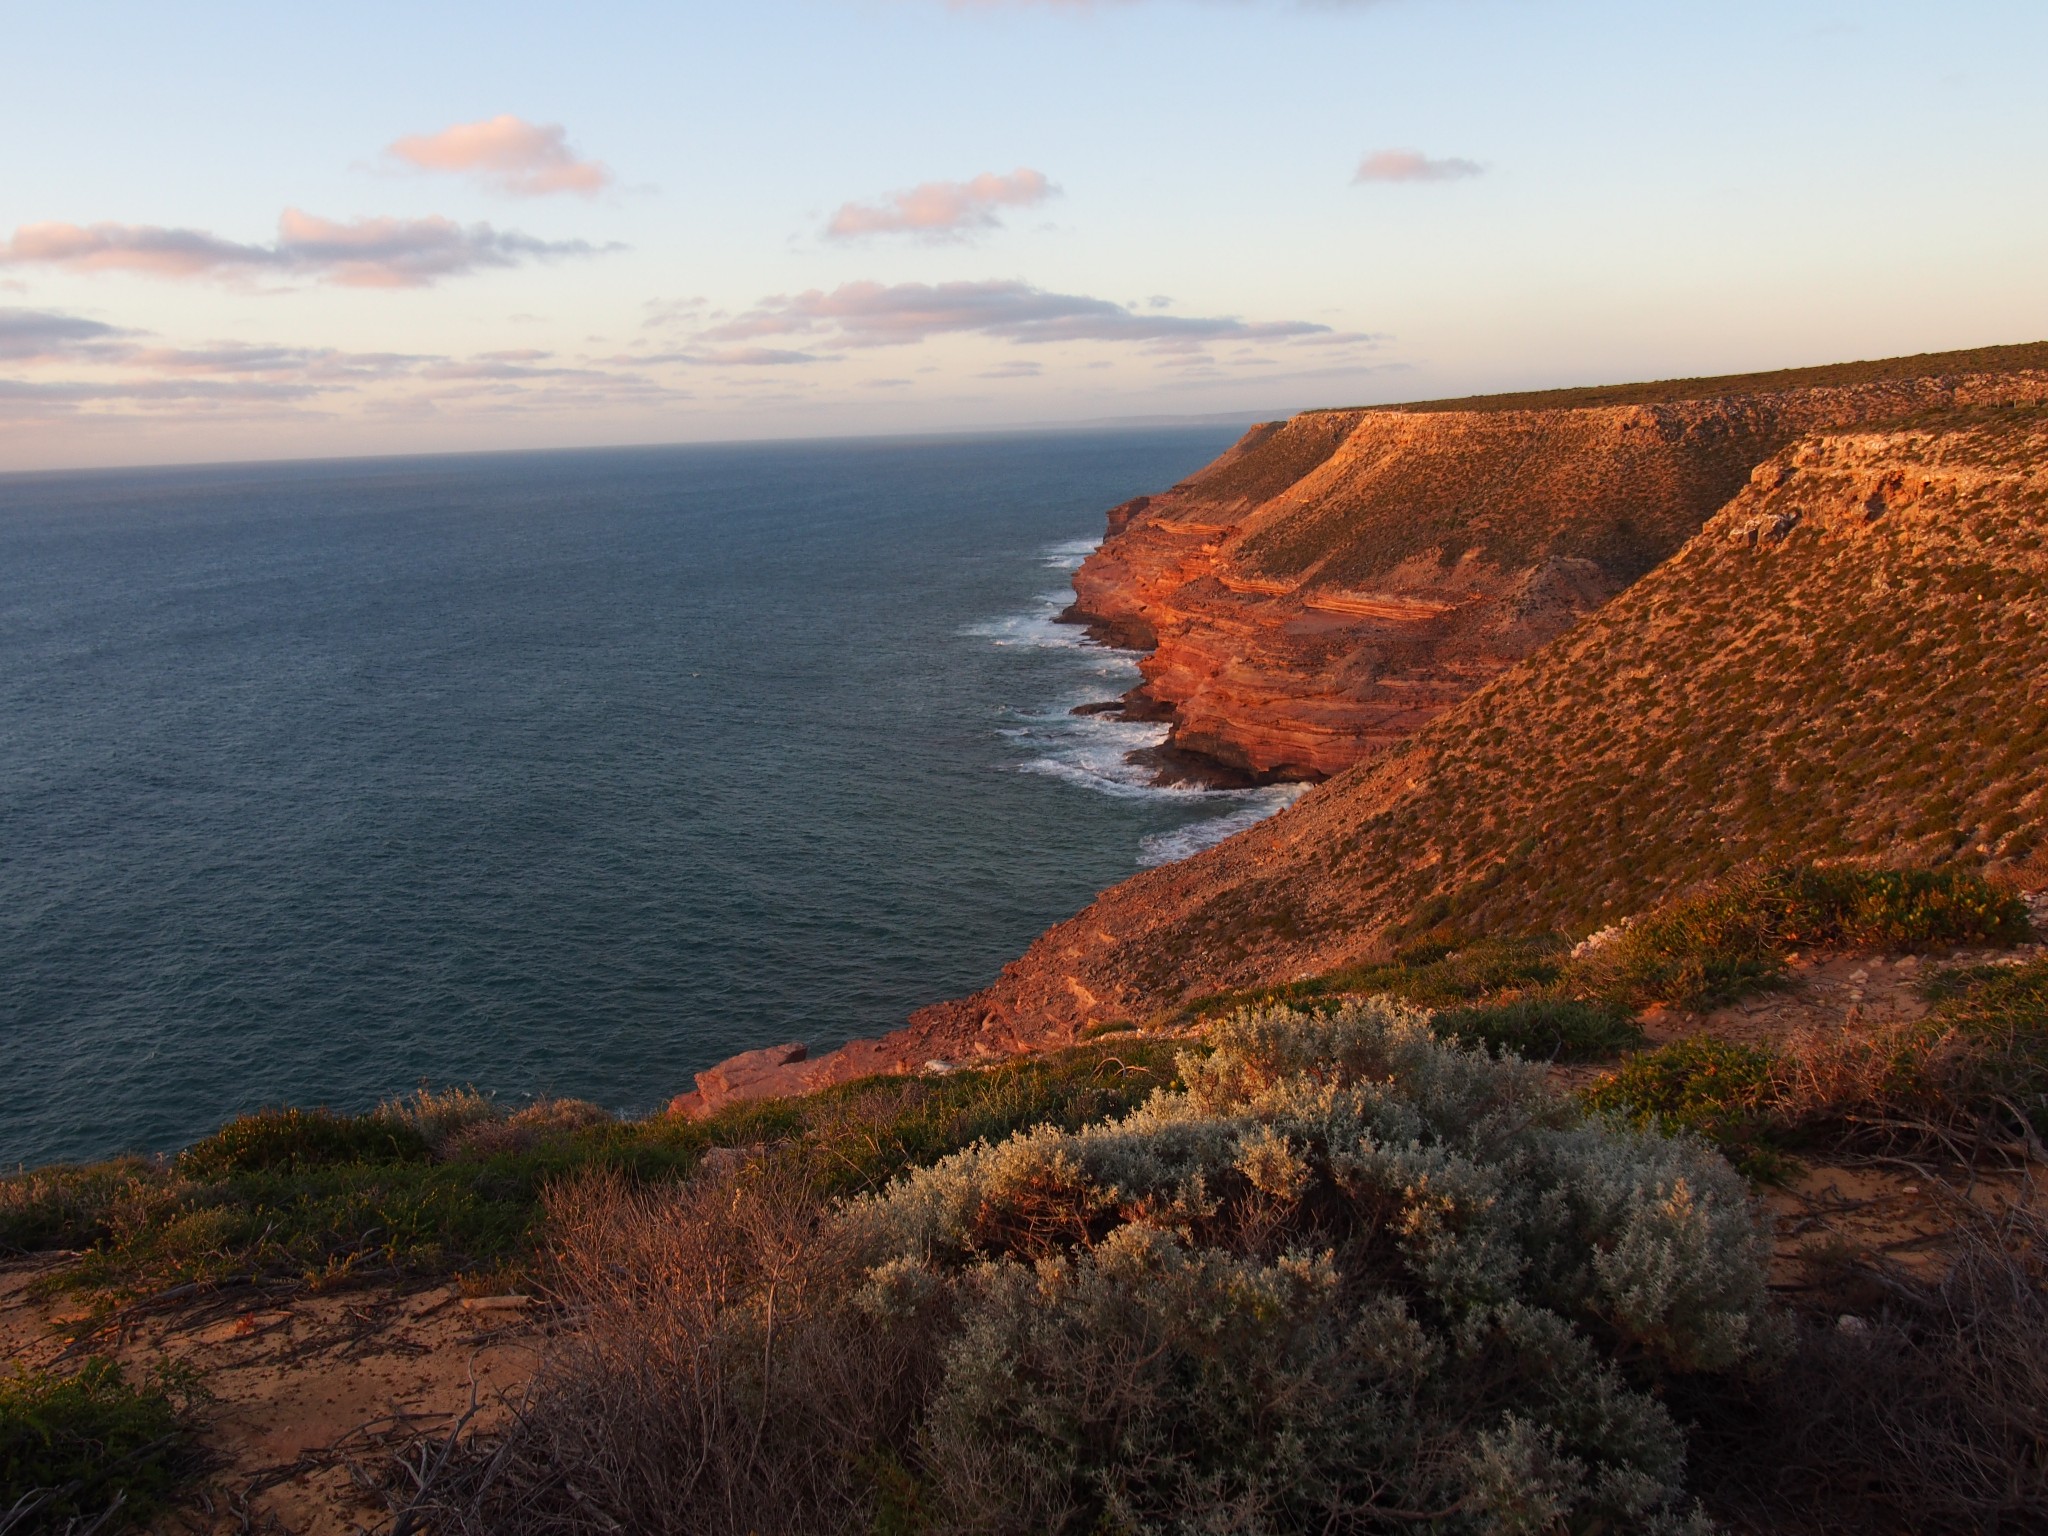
{"x": 294, "y": 1139}
{"x": 1712, "y": 1088}
{"x": 439, "y": 1116}
{"x": 1970, "y": 1078}
{"x": 1733, "y": 938}
{"x": 1348, "y": 1278}
{"x": 1432, "y": 972}
{"x": 71, "y": 1207}
{"x": 1541, "y": 1028}
{"x": 85, "y": 1449}
{"x": 444, "y": 1182}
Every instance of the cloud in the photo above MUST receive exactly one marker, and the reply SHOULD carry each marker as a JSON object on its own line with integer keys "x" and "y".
{"x": 128, "y": 382}
{"x": 507, "y": 153}
{"x": 871, "y": 314}
{"x": 36, "y": 335}
{"x": 1413, "y": 165}
{"x": 726, "y": 357}
{"x": 943, "y": 210}
{"x": 360, "y": 253}
{"x": 1015, "y": 370}
{"x": 327, "y": 366}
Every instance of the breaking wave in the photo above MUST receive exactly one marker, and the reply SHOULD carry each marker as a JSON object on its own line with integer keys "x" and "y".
{"x": 1092, "y": 752}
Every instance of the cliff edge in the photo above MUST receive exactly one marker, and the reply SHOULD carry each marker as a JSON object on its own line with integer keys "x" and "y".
{"x": 1336, "y": 581}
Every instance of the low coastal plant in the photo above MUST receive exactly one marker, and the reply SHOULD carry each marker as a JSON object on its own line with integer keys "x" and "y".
{"x": 1723, "y": 1091}
{"x": 292, "y": 1140}
{"x": 88, "y": 1449}
{"x": 1347, "y": 1277}
{"x": 448, "y": 1182}
{"x": 1730, "y": 938}
{"x": 1970, "y": 1078}
{"x": 1434, "y": 973}
{"x": 1541, "y": 1028}
{"x": 1733, "y": 937}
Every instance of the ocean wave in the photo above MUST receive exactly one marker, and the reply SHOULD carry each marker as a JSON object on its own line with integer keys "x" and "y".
{"x": 1040, "y": 628}
{"x": 1092, "y": 751}
{"x": 1185, "y": 842}
{"x": 1069, "y": 553}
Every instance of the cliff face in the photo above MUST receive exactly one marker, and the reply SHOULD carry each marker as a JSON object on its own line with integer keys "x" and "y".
{"x": 1849, "y": 659}
{"x": 1447, "y": 612}
{"x": 1338, "y": 580}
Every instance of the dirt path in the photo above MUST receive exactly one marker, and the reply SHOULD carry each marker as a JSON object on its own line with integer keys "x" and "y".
{"x": 1887, "y": 1209}
{"x": 305, "y": 1398}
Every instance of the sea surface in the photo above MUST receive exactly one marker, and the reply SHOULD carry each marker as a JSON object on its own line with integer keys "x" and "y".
{"x": 560, "y": 773}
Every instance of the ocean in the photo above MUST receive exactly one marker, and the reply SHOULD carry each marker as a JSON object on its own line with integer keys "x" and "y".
{"x": 556, "y": 773}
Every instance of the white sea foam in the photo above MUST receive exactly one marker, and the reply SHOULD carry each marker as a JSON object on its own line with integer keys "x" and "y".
{"x": 1091, "y": 751}
{"x": 1185, "y": 842}
{"x": 1040, "y": 627}
{"x": 1068, "y": 555}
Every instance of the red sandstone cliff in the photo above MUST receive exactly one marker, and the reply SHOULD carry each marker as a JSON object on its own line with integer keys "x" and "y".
{"x": 1851, "y": 656}
{"x": 1338, "y": 580}
{"x": 1849, "y": 660}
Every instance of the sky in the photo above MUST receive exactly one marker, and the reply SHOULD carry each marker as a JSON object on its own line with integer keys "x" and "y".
{"x": 241, "y": 231}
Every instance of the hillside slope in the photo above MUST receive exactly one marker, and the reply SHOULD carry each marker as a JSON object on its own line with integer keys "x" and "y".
{"x": 1337, "y": 580}
{"x": 1849, "y": 659}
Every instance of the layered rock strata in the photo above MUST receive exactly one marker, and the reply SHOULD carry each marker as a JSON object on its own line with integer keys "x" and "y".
{"x": 1338, "y": 580}
{"x": 1849, "y": 660}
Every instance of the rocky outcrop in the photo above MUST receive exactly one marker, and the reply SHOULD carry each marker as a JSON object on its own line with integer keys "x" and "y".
{"x": 760, "y": 1074}
{"x": 1338, "y": 580}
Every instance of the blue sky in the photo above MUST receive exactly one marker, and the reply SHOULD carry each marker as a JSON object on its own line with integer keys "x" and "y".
{"x": 241, "y": 231}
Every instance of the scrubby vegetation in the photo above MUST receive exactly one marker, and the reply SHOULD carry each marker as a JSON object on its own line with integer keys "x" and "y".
{"x": 1348, "y": 1277}
{"x": 1926, "y": 1411}
{"x": 1542, "y": 998}
{"x": 1735, "y": 936}
{"x": 1861, "y": 687}
{"x": 1969, "y": 1080}
{"x": 444, "y": 1183}
{"x": 88, "y": 1450}
{"x": 2007, "y": 359}
{"x": 1342, "y": 1262}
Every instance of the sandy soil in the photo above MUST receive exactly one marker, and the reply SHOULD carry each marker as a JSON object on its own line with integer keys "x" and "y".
{"x": 1895, "y": 1209}
{"x": 307, "y": 1396}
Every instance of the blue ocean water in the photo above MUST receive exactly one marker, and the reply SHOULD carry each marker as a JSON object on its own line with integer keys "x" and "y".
{"x": 552, "y": 773}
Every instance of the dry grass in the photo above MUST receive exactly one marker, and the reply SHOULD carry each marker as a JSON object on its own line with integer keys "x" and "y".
{"x": 1868, "y": 688}
{"x": 1927, "y": 1411}
{"x": 1966, "y": 1084}
{"x": 2006, "y": 359}
{"x": 713, "y": 1383}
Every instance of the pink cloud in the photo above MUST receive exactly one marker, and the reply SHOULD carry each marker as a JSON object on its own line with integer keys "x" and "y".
{"x": 41, "y": 335}
{"x": 871, "y": 314}
{"x": 509, "y": 153}
{"x": 725, "y": 357}
{"x": 1413, "y": 165}
{"x": 942, "y": 210}
{"x": 358, "y": 253}
{"x": 130, "y": 248}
